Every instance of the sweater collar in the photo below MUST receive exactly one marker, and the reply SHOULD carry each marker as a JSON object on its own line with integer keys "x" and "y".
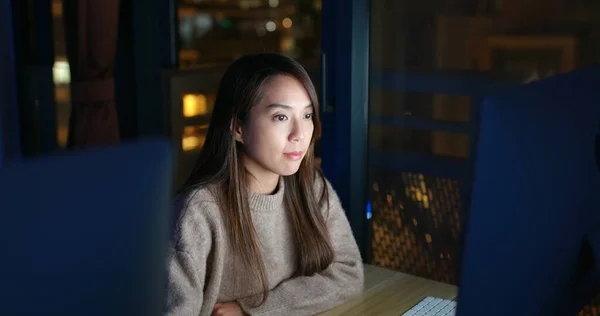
{"x": 259, "y": 202}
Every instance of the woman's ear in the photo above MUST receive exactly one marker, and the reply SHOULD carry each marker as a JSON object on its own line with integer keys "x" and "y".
{"x": 236, "y": 130}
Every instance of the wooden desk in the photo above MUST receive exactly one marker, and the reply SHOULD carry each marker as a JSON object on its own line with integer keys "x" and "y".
{"x": 392, "y": 293}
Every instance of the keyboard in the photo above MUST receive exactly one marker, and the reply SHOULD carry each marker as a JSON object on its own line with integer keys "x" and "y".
{"x": 432, "y": 306}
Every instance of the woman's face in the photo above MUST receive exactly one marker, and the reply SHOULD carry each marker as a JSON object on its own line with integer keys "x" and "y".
{"x": 278, "y": 131}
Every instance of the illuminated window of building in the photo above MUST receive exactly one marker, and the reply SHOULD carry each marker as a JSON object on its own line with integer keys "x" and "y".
{"x": 194, "y": 105}
{"x": 61, "y": 72}
{"x": 193, "y": 137}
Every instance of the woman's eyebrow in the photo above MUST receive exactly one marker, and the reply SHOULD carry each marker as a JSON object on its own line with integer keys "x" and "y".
{"x": 285, "y": 106}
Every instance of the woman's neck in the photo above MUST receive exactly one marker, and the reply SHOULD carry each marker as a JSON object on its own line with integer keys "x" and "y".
{"x": 263, "y": 185}
{"x": 260, "y": 180}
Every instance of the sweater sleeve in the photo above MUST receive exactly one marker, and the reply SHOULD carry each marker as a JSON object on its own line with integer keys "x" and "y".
{"x": 187, "y": 264}
{"x": 340, "y": 282}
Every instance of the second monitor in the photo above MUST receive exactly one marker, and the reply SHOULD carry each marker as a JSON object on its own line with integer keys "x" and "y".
{"x": 532, "y": 237}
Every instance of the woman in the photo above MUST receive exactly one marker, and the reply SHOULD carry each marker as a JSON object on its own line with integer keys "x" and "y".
{"x": 260, "y": 231}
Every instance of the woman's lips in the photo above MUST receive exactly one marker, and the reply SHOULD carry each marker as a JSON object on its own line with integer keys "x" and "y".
{"x": 293, "y": 155}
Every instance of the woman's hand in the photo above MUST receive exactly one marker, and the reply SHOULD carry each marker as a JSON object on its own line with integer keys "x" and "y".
{"x": 228, "y": 309}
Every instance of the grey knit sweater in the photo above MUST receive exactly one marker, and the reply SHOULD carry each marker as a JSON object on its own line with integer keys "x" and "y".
{"x": 203, "y": 270}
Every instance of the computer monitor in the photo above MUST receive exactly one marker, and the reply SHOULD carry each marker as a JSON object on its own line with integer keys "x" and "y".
{"x": 86, "y": 233}
{"x": 531, "y": 240}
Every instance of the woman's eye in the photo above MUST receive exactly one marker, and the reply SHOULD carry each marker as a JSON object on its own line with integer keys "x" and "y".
{"x": 309, "y": 116}
{"x": 280, "y": 118}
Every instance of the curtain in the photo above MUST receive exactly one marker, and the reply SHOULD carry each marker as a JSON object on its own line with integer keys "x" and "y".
{"x": 91, "y": 38}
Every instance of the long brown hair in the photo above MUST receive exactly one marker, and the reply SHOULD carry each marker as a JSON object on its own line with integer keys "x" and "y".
{"x": 220, "y": 167}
